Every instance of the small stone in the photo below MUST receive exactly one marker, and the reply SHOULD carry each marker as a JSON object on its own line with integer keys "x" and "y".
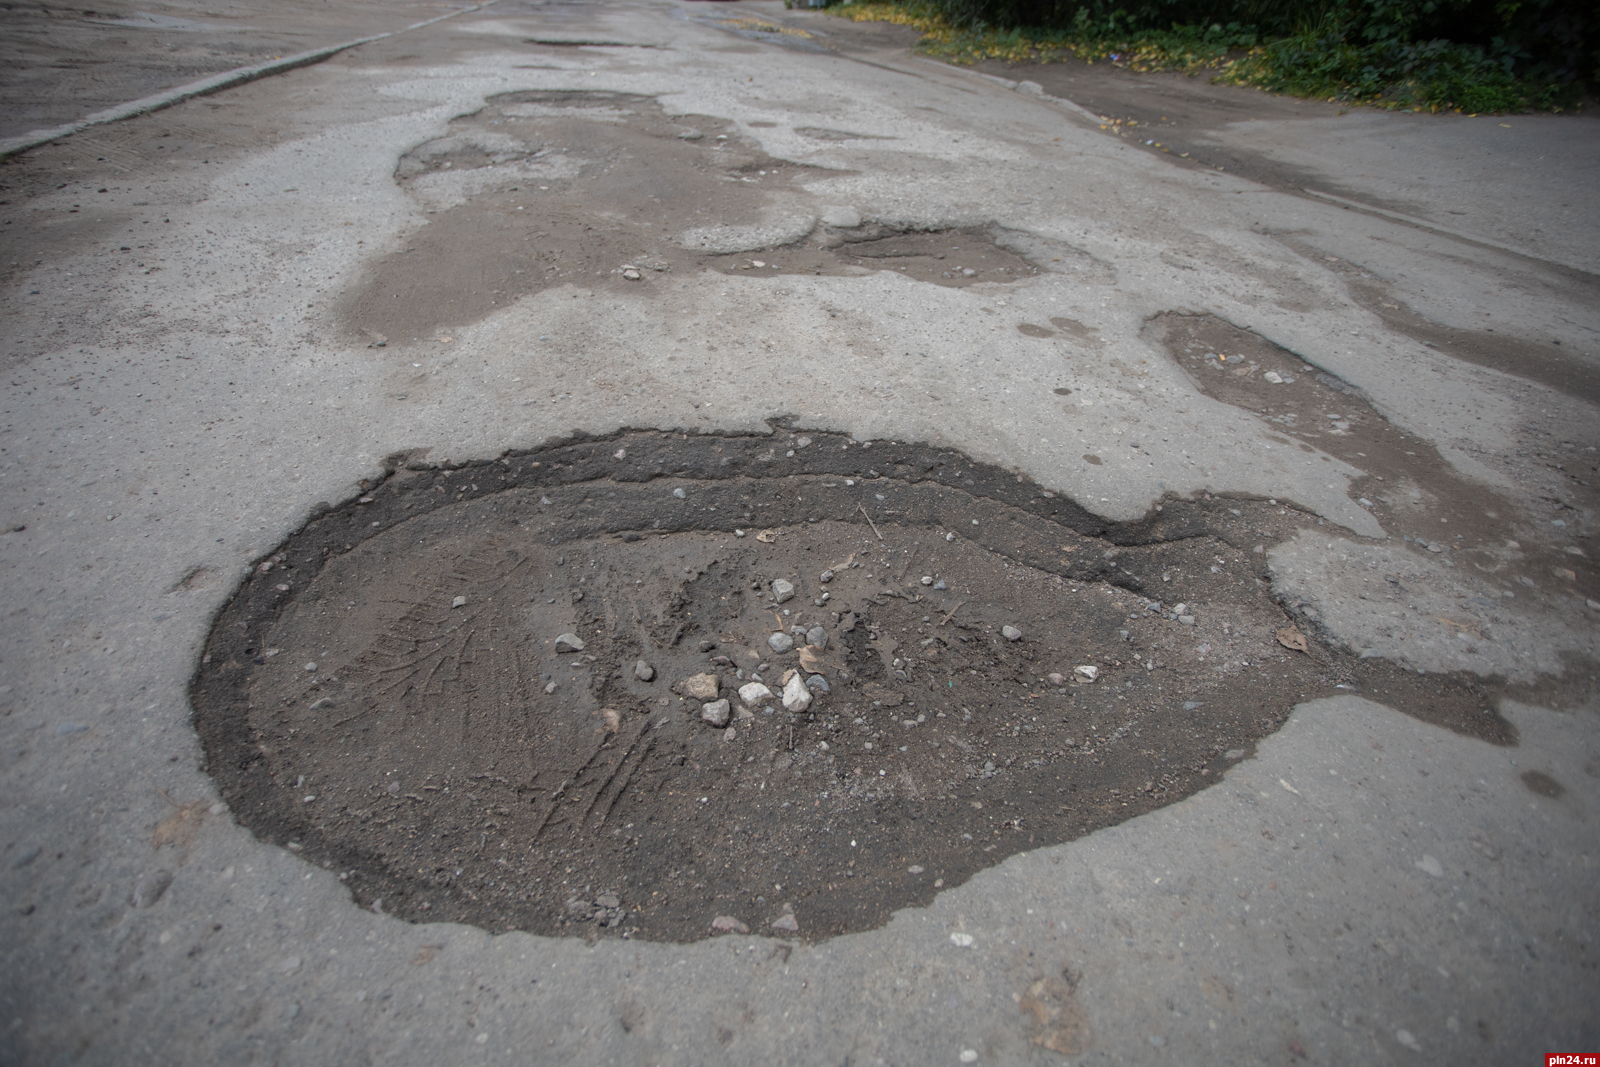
{"x": 631, "y": 273}
{"x": 311, "y": 666}
{"x": 811, "y": 659}
{"x": 1434, "y": 546}
{"x": 70, "y": 728}
{"x": 459, "y": 602}
{"x": 1274, "y": 377}
{"x": 782, "y": 589}
{"x": 1429, "y": 865}
{"x": 796, "y": 697}
{"x": 1056, "y": 679}
{"x": 841, "y": 217}
{"x": 818, "y": 637}
{"x": 968, "y": 272}
{"x": 1087, "y": 672}
{"x": 700, "y": 686}
{"x": 608, "y": 900}
{"x": 716, "y": 713}
{"x": 643, "y": 671}
{"x": 786, "y": 922}
{"x": 969, "y": 1055}
{"x": 780, "y": 642}
{"x": 730, "y": 734}
{"x": 927, "y": 579}
{"x": 1192, "y": 705}
{"x": 149, "y": 888}
{"x": 817, "y": 684}
{"x": 1405, "y": 1038}
{"x": 825, "y": 577}
{"x": 940, "y": 586}
{"x": 679, "y": 493}
{"x": 960, "y": 940}
{"x": 727, "y": 924}
{"x": 569, "y": 643}
{"x": 1185, "y": 620}
{"x": 753, "y": 693}
{"x": 1011, "y": 633}
{"x": 1594, "y": 605}
{"x": 949, "y": 537}
{"x": 550, "y": 687}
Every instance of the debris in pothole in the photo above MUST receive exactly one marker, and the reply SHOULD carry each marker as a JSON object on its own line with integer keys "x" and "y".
{"x": 796, "y": 697}
{"x": 716, "y": 713}
{"x": 920, "y": 732}
{"x": 702, "y": 686}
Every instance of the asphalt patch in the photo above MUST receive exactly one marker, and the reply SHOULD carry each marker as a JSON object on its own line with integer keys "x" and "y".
{"x": 480, "y": 693}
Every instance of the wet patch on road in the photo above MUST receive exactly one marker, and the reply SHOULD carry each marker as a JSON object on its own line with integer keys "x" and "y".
{"x": 1413, "y": 491}
{"x": 1548, "y": 362}
{"x": 494, "y": 693}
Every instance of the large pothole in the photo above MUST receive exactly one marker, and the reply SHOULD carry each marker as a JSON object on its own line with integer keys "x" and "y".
{"x": 390, "y": 694}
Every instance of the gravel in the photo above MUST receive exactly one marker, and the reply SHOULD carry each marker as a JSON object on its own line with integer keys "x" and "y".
{"x": 716, "y": 713}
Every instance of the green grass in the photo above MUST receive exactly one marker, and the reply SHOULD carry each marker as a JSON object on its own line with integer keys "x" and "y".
{"x": 1318, "y": 63}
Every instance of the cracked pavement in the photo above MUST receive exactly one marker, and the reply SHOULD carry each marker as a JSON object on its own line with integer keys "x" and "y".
{"x": 198, "y": 359}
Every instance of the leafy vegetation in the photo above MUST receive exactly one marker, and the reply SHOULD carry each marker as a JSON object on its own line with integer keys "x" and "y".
{"x": 1464, "y": 55}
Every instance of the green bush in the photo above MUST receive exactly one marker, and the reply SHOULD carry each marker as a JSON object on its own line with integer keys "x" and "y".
{"x": 1475, "y": 55}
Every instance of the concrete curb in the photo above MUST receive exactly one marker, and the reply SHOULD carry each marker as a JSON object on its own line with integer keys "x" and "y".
{"x": 216, "y": 83}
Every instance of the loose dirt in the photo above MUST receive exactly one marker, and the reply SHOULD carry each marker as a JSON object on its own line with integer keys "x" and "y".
{"x": 396, "y": 693}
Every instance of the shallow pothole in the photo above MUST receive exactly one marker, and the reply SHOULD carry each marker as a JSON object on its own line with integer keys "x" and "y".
{"x": 544, "y": 189}
{"x": 1412, "y": 490}
{"x": 398, "y": 694}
